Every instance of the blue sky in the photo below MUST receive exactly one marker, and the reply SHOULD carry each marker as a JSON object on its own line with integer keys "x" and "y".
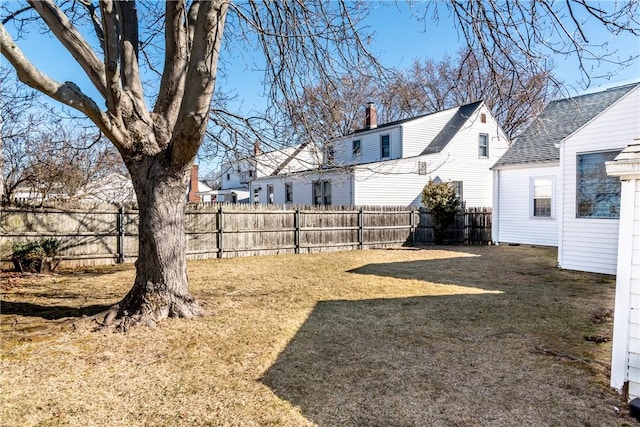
{"x": 398, "y": 40}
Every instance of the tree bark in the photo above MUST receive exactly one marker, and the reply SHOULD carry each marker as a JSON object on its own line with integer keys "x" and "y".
{"x": 160, "y": 289}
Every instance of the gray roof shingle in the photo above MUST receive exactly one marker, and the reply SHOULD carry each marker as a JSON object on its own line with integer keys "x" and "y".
{"x": 558, "y": 120}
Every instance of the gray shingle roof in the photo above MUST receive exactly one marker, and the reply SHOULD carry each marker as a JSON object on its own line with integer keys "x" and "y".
{"x": 558, "y": 120}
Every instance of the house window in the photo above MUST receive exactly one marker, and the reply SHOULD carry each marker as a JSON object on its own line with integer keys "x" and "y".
{"x": 356, "y": 148}
{"x": 541, "y": 193}
{"x": 483, "y": 118}
{"x": 458, "y": 186}
{"x": 250, "y": 174}
{"x": 330, "y": 155}
{"x": 385, "y": 148}
{"x": 256, "y": 195}
{"x": 228, "y": 177}
{"x": 483, "y": 145}
{"x": 321, "y": 192}
{"x": 597, "y": 194}
{"x": 270, "y": 194}
{"x": 288, "y": 193}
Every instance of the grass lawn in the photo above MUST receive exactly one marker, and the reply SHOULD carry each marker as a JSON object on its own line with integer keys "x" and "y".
{"x": 460, "y": 336}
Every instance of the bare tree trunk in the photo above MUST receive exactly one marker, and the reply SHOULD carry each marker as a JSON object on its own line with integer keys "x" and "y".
{"x": 160, "y": 289}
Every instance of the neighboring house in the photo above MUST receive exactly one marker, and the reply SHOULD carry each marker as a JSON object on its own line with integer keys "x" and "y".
{"x": 625, "y": 356}
{"x": 550, "y": 187}
{"x": 237, "y": 173}
{"x": 390, "y": 164}
{"x": 112, "y": 188}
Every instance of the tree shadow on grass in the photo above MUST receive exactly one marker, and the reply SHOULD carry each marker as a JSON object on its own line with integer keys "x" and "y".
{"x": 464, "y": 271}
{"x": 428, "y": 361}
{"x": 49, "y": 312}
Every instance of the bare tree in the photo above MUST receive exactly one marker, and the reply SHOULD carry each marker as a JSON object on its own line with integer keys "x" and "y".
{"x": 428, "y": 86}
{"x": 522, "y": 35}
{"x": 44, "y": 150}
{"x": 515, "y": 98}
{"x": 159, "y": 144}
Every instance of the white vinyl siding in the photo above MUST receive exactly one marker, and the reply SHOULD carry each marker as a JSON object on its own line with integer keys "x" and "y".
{"x": 513, "y": 222}
{"x": 370, "y": 146}
{"x": 417, "y": 134}
{"x": 591, "y": 244}
{"x": 302, "y": 187}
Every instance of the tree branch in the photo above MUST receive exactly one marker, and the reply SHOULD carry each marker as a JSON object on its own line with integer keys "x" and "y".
{"x": 73, "y": 41}
{"x": 175, "y": 62}
{"x": 129, "y": 66}
{"x": 15, "y": 14}
{"x": 97, "y": 25}
{"x": 67, "y": 93}
{"x": 200, "y": 82}
{"x": 111, "y": 56}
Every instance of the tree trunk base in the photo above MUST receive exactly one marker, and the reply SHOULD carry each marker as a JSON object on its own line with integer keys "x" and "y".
{"x": 122, "y": 316}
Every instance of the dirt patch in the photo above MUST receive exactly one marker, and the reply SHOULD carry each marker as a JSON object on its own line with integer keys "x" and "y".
{"x": 485, "y": 336}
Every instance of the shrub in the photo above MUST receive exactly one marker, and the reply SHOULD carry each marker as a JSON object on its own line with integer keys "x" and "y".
{"x": 36, "y": 256}
{"x": 440, "y": 198}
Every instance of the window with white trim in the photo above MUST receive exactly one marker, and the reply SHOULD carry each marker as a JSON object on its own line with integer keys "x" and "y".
{"x": 321, "y": 192}
{"x": 385, "y": 146}
{"x": 357, "y": 149}
{"x": 270, "y": 194}
{"x": 597, "y": 194}
{"x": 541, "y": 197}
{"x": 458, "y": 186}
{"x": 288, "y": 192}
{"x": 483, "y": 145}
{"x": 330, "y": 155}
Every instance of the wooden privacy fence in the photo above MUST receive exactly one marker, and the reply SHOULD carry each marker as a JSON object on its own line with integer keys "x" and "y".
{"x": 108, "y": 235}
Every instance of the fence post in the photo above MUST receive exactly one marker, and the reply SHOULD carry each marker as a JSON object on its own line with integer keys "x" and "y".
{"x": 220, "y": 232}
{"x": 412, "y": 224}
{"x": 120, "y": 225}
{"x": 296, "y": 223}
{"x": 360, "y": 228}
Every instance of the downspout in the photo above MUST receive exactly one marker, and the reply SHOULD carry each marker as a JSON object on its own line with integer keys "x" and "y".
{"x": 560, "y": 145}
{"x": 495, "y": 211}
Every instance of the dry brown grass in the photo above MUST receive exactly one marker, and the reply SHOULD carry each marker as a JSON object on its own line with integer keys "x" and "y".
{"x": 454, "y": 337}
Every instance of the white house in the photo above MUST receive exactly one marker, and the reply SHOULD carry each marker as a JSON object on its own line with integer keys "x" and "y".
{"x": 550, "y": 187}
{"x": 237, "y": 173}
{"x": 390, "y": 164}
{"x": 625, "y": 356}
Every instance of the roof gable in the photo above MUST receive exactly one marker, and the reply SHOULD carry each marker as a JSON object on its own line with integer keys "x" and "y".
{"x": 560, "y": 119}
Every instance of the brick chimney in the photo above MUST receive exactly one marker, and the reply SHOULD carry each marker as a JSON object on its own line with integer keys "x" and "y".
{"x": 256, "y": 148}
{"x": 370, "y": 117}
{"x": 192, "y": 197}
